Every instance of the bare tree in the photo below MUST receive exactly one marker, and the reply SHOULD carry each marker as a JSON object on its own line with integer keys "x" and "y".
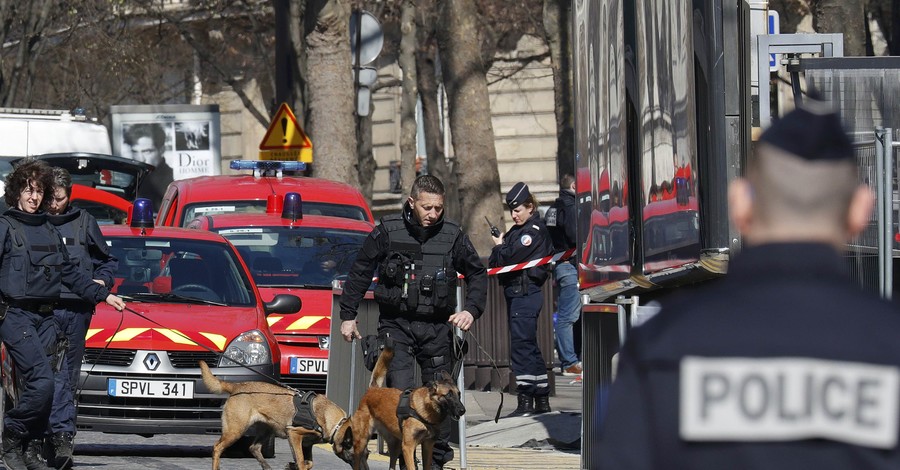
{"x": 556, "y": 32}
{"x": 409, "y": 95}
{"x": 842, "y": 16}
{"x": 331, "y": 100}
{"x": 470, "y": 118}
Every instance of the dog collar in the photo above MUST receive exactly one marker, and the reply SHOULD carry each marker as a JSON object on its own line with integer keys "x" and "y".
{"x": 335, "y": 429}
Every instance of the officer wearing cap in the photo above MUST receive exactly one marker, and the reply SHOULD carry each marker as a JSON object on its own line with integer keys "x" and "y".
{"x": 418, "y": 254}
{"x": 526, "y": 240}
{"x": 783, "y": 363}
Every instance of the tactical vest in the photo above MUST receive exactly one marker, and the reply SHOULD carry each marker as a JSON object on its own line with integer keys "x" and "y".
{"x": 418, "y": 278}
{"x": 32, "y": 269}
{"x": 561, "y": 206}
{"x": 73, "y": 227}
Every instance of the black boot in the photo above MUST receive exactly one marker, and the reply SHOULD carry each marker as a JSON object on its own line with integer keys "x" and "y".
{"x": 32, "y": 455}
{"x": 59, "y": 450}
{"x": 525, "y": 408}
{"x": 542, "y": 404}
{"x": 13, "y": 451}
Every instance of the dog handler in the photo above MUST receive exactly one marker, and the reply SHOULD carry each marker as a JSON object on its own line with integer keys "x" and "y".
{"x": 34, "y": 265}
{"x": 89, "y": 251}
{"x": 418, "y": 254}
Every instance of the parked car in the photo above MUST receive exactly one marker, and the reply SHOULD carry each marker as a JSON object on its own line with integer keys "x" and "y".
{"x": 140, "y": 373}
{"x": 205, "y": 195}
{"x": 299, "y": 254}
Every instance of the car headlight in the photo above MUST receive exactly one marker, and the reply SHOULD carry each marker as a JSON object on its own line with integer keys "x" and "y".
{"x": 250, "y": 349}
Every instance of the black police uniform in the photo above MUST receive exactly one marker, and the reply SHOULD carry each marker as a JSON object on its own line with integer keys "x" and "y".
{"x": 88, "y": 250}
{"x": 34, "y": 265}
{"x": 416, "y": 294}
{"x": 524, "y": 300}
{"x": 780, "y": 304}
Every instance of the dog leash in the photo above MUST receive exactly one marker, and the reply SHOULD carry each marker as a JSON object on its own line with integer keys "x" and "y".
{"x": 460, "y": 349}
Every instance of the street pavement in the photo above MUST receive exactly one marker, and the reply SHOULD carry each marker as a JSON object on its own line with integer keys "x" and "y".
{"x": 545, "y": 441}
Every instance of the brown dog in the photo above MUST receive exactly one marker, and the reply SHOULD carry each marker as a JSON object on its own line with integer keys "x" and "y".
{"x": 273, "y": 405}
{"x": 428, "y": 406}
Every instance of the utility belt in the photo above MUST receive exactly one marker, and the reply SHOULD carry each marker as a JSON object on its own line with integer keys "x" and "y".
{"x": 43, "y": 307}
{"x": 517, "y": 282}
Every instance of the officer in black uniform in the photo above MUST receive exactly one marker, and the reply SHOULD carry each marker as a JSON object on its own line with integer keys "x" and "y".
{"x": 784, "y": 363}
{"x": 88, "y": 250}
{"x": 418, "y": 254}
{"x": 34, "y": 265}
{"x": 527, "y": 240}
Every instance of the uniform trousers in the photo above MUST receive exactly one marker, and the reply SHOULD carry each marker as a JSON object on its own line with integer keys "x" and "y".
{"x": 525, "y": 356}
{"x": 29, "y": 339}
{"x": 428, "y": 344}
{"x": 73, "y": 319}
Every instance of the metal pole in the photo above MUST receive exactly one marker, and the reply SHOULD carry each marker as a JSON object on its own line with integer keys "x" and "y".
{"x": 461, "y": 383}
{"x": 880, "y": 191}
{"x": 888, "y": 213}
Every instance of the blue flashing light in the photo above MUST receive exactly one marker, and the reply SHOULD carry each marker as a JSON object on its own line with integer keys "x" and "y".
{"x": 267, "y": 165}
{"x": 142, "y": 213}
{"x": 293, "y": 207}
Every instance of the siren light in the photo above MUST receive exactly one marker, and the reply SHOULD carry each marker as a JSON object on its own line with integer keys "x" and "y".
{"x": 274, "y": 203}
{"x": 266, "y": 167}
{"x": 142, "y": 213}
{"x": 293, "y": 207}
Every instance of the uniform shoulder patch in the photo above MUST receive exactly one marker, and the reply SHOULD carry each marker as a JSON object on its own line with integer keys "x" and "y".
{"x": 526, "y": 240}
{"x": 536, "y": 227}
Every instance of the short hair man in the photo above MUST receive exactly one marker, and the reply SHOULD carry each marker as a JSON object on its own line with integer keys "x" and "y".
{"x": 148, "y": 145}
{"x": 784, "y": 363}
{"x": 418, "y": 254}
{"x": 560, "y": 220}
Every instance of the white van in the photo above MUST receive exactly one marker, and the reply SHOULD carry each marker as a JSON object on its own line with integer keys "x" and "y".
{"x": 26, "y": 132}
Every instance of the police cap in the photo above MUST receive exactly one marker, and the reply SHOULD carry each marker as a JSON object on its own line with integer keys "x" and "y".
{"x": 813, "y": 132}
{"x": 517, "y": 195}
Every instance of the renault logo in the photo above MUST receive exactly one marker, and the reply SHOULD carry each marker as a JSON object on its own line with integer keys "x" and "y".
{"x": 151, "y": 361}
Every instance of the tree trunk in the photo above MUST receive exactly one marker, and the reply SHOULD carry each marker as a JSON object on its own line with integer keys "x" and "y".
{"x": 842, "y": 16}
{"x": 298, "y": 64}
{"x": 408, "y": 95}
{"x": 556, "y": 30}
{"x": 331, "y": 94}
{"x": 430, "y": 93}
{"x": 367, "y": 163}
{"x": 470, "y": 119}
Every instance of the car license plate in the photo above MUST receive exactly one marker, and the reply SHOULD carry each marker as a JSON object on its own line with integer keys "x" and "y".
{"x": 300, "y": 365}
{"x": 149, "y": 388}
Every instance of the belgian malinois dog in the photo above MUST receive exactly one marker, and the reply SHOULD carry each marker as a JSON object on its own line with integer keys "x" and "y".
{"x": 272, "y": 405}
{"x": 428, "y": 407}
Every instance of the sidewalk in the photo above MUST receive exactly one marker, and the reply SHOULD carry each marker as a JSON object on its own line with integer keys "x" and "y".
{"x": 550, "y": 440}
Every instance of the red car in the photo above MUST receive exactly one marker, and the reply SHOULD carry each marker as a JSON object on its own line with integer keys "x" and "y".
{"x": 206, "y": 195}
{"x": 192, "y": 298}
{"x": 300, "y": 256}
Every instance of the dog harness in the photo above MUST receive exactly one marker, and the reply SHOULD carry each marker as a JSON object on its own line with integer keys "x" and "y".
{"x": 405, "y": 411}
{"x": 303, "y": 414}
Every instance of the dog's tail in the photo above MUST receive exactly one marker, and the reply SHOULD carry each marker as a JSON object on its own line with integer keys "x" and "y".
{"x": 379, "y": 373}
{"x": 212, "y": 383}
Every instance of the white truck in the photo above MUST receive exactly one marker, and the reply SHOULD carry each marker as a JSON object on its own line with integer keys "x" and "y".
{"x": 26, "y": 132}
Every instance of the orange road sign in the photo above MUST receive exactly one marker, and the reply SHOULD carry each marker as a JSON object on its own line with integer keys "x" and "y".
{"x": 285, "y": 139}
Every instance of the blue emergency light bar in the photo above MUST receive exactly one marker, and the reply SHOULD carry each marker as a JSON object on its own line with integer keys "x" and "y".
{"x": 293, "y": 207}
{"x": 142, "y": 213}
{"x": 274, "y": 165}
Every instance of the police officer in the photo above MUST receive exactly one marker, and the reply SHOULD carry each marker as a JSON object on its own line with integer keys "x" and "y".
{"x": 34, "y": 265}
{"x": 560, "y": 219}
{"x": 784, "y": 363}
{"x": 526, "y": 240}
{"x": 89, "y": 251}
{"x": 418, "y": 254}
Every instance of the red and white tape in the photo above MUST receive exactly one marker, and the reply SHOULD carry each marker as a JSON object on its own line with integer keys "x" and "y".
{"x": 530, "y": 264}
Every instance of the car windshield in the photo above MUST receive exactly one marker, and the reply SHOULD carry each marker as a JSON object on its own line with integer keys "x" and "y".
{"x": 296, "y": 257}
{"x": 259, "y": 207}
{"x": 179, "y": 270}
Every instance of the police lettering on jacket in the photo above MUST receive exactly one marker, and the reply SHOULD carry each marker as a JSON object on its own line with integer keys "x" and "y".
{"x": 781, "y": 399}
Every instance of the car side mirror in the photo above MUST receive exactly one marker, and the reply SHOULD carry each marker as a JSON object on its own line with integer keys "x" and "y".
{"x": 283, "y": 303}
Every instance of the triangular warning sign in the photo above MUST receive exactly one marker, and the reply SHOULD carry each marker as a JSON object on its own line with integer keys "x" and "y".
{"x": 285, "y": 134}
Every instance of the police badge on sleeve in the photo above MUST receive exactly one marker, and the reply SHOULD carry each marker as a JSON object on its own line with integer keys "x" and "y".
{"x": 525, "y": 240}
{"x": 782, "y": 399}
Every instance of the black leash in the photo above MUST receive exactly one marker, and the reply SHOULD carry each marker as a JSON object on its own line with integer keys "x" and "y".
{"x": 460, "y": 349}
{"x": 218, "y": 354}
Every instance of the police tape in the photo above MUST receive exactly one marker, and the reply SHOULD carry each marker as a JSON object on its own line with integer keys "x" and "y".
{"x": 530, "y": 264}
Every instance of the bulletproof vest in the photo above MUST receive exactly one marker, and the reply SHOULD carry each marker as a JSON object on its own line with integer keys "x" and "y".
{"x": 32, "y": 269}
{"x": 418, "y": 278}
{"x": 72, "y": 226}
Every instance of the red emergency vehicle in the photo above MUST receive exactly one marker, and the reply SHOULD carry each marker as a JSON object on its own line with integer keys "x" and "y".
{"x": 295, "y": 253}
{"x": 190, "y": 297}
{"x": 189, "y": 198}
